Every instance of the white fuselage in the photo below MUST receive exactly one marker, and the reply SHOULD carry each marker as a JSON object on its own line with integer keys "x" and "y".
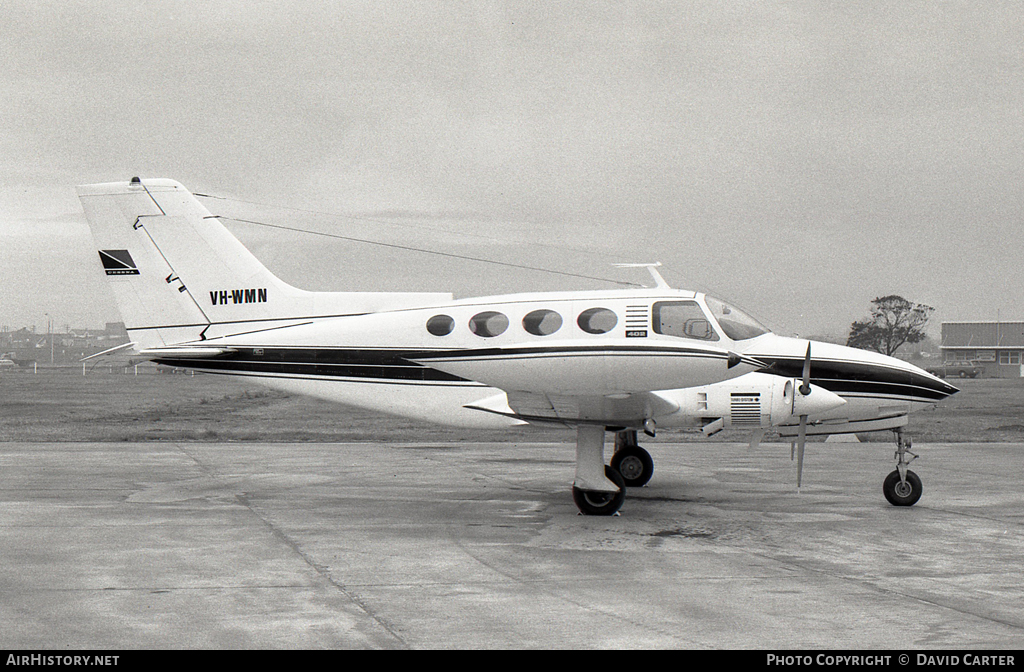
{"x": 612, "y": 357}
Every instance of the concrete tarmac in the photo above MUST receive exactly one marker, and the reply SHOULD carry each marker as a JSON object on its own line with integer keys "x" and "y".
{"x": 378, "y": 545}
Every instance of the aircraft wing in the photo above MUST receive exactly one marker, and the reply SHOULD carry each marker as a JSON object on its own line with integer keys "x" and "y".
{"x": 626, "y": 409}
{"x": 829, "y": 427}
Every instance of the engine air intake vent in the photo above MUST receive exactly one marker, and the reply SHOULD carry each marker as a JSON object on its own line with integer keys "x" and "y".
{"x": 745, "y": 409}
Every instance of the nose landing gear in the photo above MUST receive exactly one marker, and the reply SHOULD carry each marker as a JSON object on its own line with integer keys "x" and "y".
{"x": 902, "y": 487}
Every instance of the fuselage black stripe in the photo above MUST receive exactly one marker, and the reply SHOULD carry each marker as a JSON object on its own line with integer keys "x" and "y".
{"x": 859, "y": 386}
{"x": 410, "y": 371}
{"x": 846, "y": 377}
{"x": 374, "y": 381}
{"x": 396, "y": 364}
{"x": 854, "y": 379}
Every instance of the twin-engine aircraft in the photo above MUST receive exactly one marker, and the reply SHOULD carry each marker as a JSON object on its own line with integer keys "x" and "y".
{"x": 624, "y": 361}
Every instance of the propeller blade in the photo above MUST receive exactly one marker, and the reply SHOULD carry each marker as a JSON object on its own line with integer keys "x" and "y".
{"x": 801, "y": 440}
{"x": 805, "y": 388}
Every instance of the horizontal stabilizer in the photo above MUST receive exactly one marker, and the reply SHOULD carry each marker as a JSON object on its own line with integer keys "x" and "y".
{"x": 186, "y": 352}
{"x": 107, "y": 352}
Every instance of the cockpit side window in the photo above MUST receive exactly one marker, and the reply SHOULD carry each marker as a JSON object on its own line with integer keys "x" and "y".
{"x": 684, "y": 319}
{"x": 736, "y": 324}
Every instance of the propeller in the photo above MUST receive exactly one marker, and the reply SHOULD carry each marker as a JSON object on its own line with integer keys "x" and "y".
{"x": 805, "y": 390}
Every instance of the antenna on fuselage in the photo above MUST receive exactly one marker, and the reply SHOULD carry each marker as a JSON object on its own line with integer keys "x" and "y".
{"x": 652, "y": 268}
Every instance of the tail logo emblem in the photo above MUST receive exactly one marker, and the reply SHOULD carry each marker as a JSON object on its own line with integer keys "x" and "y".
{"x": 118, "y": 262}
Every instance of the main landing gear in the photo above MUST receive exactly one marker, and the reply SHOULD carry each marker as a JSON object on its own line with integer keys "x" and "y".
{"x": 599, "y": 489}
{"x": 600, "y": 503}
{"x": 902, "y": 487}
{"x": 632, "y": 461}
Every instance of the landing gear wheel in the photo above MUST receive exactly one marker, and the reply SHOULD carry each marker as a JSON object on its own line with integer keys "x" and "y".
{"x": 592, "y": 503}
{"x": 635, "y": 465}
{"x": 902, "y": 493}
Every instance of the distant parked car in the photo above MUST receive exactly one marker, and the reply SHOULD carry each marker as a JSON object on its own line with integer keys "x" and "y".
{"x": 957, "y": 369}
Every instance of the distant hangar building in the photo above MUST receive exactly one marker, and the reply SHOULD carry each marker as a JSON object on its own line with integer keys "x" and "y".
{"x": 996, "y": 347}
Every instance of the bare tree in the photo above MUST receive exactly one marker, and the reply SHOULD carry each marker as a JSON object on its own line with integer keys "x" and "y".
{"x": 894, "y": 321}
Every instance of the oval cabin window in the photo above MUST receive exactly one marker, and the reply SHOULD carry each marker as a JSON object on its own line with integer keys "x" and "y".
{"x": 440, "y": 325}
{"x": 488, "y": 324}
{"x": 597, "y": 320}
{"x": 542, "y": 322}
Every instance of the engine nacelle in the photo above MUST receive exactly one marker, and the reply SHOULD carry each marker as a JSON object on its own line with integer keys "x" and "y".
{"x": 753, "y": 401}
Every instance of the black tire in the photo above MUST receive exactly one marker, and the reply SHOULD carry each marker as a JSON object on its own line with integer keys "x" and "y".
{"x": 635, "y": 465}
{"x": 592, "y": 503}
{"x": 902, "y": 494}
{"x": 963, "y": 374}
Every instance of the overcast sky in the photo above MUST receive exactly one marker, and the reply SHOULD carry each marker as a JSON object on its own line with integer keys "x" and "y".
{"x": 796, "y": 158}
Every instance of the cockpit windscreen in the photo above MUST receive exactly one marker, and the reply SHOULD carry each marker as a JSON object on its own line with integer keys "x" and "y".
{"x": 736, "y": 324}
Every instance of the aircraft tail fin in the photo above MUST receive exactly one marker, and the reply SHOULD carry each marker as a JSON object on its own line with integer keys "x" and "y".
{"x": 179, "y": 275}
